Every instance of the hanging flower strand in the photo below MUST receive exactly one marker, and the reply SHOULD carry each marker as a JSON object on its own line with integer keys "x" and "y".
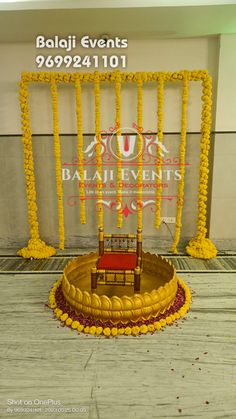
{"x": 140, "y": 148}
{"x": 57, "y": 154}
{"x": 36, "y": 248}
{"x": 200, "y": 246}
{"x": 118, "y": 152}
{"x": 182, "y": 152}
{"x": 80, "y": 151}
{"x": 160, "y": 115}
{"x": 98, "y": 146}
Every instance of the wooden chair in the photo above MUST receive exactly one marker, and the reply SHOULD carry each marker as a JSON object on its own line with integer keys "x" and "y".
{"x": 120, "y": 258}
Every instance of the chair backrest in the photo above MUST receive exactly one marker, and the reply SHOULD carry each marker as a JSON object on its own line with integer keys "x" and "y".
{"x": 120, "y": 242}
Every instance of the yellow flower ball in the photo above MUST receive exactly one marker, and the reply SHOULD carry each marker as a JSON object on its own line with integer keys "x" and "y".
{"x": 64, "y": 317}
{"x": 176, "y": 316}
{"x": 75, "y": 324}
{"x": 121, "y": 331}
{"x": 53, "y": 304}
{"x": 69, "y": 321}
{"x": 51, "y": 295}
{"x": 128, "y": 331}
{"x": 143, "y": 329}
{"x": 92, "y": 330}
{"x": 80, "y": 327}
{"x": 157, "y": 325}
{"x": 135, "y": 330}
{"x": 59, "y": 313}
{"x": 107, "y": 331}
{"x": 86, "y": 329}
{"x": 151, "y": 327}
{"x": 182, "y": 312}
{"x": 114, "y": 331}
{"x": 99, "y": 330}
{"x": 169, "y": 320}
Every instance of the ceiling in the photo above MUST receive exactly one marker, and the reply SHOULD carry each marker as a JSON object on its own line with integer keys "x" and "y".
{"x": 95, "y": 4}
{"x": 49, "y": 18}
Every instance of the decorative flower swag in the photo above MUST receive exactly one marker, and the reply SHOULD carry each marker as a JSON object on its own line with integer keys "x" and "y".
{"x": 199, "y": 246}
{"x": 91, "y": 326}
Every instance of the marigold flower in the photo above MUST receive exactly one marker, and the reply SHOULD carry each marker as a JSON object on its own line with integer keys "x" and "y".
{"x": 135, "y": 330}
{"x": 143, "y": 329}
{"x": 157, "y": 325}
{"x": 92, "y": 330}
{"x": 74, "y": 324}
{"x": 99, "y": 330}
{"x": 128, "y": 331}
{"x": 114, "y": 331}
{"x": 107, "y": 331}
{"x": 64, "y": 317}
{"x": 151, "y": 327}
{"x": 69, "y": 321}
{"x": 80, "y": 327}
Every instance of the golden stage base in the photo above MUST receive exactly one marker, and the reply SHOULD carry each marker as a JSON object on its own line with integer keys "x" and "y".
{"x": 163, "y": 298}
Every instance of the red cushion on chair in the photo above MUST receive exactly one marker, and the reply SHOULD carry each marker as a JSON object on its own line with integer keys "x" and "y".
{"x": 116, "y": 261}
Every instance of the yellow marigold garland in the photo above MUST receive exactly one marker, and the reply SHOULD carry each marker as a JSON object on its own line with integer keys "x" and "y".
{"x": 114, "y": 331}
{"x": 160, "y": 115}
{"x": 57, "y": 154}
{"x": 140, "y": 148}
{"x": 182, "y": 152}
{"x": 119, "y": 161}
{"x": 80, "y": 151}
{"x": 98, "y": 146}
{"x": 36, "y": 248}
{"x": 200, "y": 246}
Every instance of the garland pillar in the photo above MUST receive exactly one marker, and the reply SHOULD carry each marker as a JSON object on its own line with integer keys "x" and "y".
{"x": 36, "y": 248}
{"x": 201, "y": 247}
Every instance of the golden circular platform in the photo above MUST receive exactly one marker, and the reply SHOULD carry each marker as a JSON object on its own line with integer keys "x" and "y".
{"x": 117, "y": 310}
{"x": 118, "y": 303}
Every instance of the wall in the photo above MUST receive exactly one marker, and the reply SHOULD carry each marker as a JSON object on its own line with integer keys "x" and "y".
{"x": 166, "y": 55}
{"x": 148, "y": 55}
{"x": 223, "y": 205}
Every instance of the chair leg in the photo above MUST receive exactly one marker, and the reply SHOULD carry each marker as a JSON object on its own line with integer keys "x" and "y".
{"x": 137, "y": 277}
{"x": 93, "y": 278}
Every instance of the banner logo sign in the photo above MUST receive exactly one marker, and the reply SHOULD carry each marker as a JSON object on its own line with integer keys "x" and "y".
{"x": 154, "y": 154}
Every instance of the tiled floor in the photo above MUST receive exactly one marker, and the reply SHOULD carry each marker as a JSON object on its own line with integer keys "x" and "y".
{"x": 188, "y": 370}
